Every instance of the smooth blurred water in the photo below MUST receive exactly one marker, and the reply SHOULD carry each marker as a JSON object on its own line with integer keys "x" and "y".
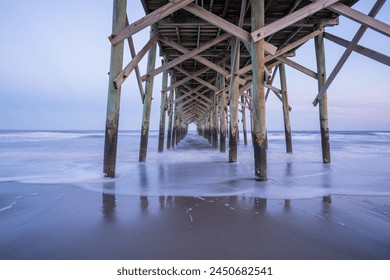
{"x": 360, "y": 165}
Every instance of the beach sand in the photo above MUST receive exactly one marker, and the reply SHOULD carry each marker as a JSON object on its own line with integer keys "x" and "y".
{"x": 68, "y": 222}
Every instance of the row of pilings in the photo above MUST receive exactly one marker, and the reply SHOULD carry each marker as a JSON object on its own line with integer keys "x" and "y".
{"x": 224, "y": 103}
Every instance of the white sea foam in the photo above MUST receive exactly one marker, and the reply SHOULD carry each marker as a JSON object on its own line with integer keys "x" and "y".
{"x": 7, "y": 207}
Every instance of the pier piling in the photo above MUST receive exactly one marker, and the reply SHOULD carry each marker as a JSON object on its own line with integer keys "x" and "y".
{"x": 233, "y": 100}
{"x": 323, "y": 102}
{"x": 258, "y": 95}
{"x": 163, "y": 109}
{"x": 114, "y": 95}
{"x": 285, "y": 105}
{"x": 147, "y": 100}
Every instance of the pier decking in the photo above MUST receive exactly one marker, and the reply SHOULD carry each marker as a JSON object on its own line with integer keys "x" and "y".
{"x": 222, "y": 58}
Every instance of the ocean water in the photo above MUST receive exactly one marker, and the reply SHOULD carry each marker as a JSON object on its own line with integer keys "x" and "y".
{"x": 360, "y": 165}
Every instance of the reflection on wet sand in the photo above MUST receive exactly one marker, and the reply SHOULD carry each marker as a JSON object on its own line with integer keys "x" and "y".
{"x": 109, "y": 202}
{"x": 152, "y": 205}
{"x": 108, "y": 225}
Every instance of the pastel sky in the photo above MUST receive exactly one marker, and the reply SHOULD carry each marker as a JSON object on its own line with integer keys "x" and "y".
{"x": 54, "y": 60}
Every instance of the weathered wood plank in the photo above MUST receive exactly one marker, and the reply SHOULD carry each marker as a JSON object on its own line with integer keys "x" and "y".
{"x": 286, "y": 111}
{"x": 200, "y": 81}
{"x": 163, "y": 108}
{"x": 377, "y": 56}
{"x": 204, "y": 61}
{"x": 297, "y": 66}
{"x": 186, "y": 79}
{"x": 147, "y": 101}
{"x": 147, "y": 20}
{"x": 282, "y": 51}
{"x": 233, "y": 103}
{"x": 286, "y": 21}
{"x": 190, "y": 92}
{"x": 170, "y": 116}
{"x": 243, "y": 114}
{"x": 361, "y": 18}
{"x": 323, "y": 106}
{"x": 122, "y": 76}
{"x": 225, "y": 25}
{"x": 113, "y": 98}
{"x": 137, "y": 72}
{"x": 185, "y": 56}
{"x": 258, "y": 94}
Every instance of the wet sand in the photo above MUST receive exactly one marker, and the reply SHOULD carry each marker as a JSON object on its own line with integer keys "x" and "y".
{"x": 67, "y": 222}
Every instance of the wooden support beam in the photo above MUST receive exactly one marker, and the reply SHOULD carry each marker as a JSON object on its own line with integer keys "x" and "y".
{"x": 270, "y": 81}
{"x": 286, "y": 111}
{"x": 192, "y": 91}
{"x": 148, "y": 20}
{"x": 170, "y": 117}
{"x": 137, "y": 72}
{"x": 186, "y": 79}
{"x": 113, "y": 99}
{"x": 175, "y": 115}
{"x": 222, "y": 117}
{"x": 189, "y": 22}
{"x": 163, "y": 108}
{"x": 193, "y": 110}
{"x": 359, "y": 34}
{"x": 295, "y": 44}
{"x": 215, "y": 112}
{"x": 204, "y": 61}
{"x": 195, "y": 98}
{"x": 258, "y": 94}
{"x": 243, "y": 114}
{"x": 225, "y": 25}
{"x": 286, "y": 21}
{"x": 122, "y": 76}
{"x": 282, "y": 51}
{"x": 147, "y": 101}
{"x": 243, "y": 105}
{"x": 200, "y": 94}
{"x": 233, "y": 104}
{"x": 379, "y": 57}
{"x": 323, "y": 102}
{"x": 177, "y": 130}
{"x": 297, "y": 66}
{"x": 366, "y": 20}
{"x": 192, "y": 99}
{"x": 200, "y": 81}
{"x": 186, "y": 56}
{"x": 197, "y": 92}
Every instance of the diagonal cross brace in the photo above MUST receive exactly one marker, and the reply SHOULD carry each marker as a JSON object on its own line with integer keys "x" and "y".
{"x": 359, "y": 34}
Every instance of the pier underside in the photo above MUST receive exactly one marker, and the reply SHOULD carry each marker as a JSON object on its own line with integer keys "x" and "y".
{"x": 220, "y": 59}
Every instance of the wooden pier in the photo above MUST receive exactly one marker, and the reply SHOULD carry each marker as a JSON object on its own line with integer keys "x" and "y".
{"x": 220, "y": 57}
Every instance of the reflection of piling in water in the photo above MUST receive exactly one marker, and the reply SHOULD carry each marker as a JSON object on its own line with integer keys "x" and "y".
{"x": 161, "y": 201}
{"x": 109, "y": 205}
{"x": 108, "y": 200}
{"x": 144, "y": 204}
{"x": 327, "y": 199}
{"x": 169, "y": 201}
{"x": 287, "y": 203}
{"x": 326, "y": 184}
